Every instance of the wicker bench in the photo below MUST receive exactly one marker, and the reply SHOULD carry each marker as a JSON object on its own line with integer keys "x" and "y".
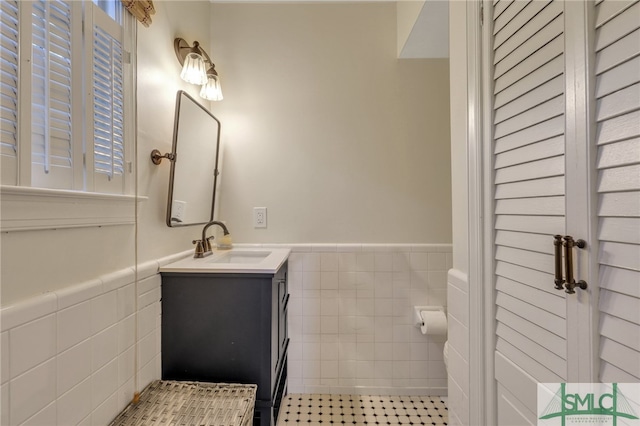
{"x": 166, "y": 402}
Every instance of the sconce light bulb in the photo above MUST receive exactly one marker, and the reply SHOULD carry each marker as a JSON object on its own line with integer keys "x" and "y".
{"x": 194, "y": 70}
{"x": 212, "y": 90}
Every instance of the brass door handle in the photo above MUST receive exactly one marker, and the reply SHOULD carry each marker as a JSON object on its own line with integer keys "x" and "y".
{"x": 557, "y": 248}
{"x": 570, "y": 282}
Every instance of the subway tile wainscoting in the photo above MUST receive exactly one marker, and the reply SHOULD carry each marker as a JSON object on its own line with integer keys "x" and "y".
{"x": 351, "y": 319}
{"x": 68, "y": 357}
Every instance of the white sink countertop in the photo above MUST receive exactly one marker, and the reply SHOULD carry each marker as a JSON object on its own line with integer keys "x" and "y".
{"x": 236, "y": 261}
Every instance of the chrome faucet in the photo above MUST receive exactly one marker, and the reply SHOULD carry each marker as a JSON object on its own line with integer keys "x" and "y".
{"x": 203, "y": 246}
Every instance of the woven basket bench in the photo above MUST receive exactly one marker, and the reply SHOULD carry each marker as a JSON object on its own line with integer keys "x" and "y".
{"x": 166, "y": 402}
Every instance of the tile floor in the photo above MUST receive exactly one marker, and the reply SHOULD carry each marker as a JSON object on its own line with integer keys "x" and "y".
{"x": 321, "y": 409}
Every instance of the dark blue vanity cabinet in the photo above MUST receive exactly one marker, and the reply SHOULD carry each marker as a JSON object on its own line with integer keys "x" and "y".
{"x": 228, "y": 328}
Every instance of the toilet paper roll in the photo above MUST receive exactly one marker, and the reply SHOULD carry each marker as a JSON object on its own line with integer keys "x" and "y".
{"x": 434, "y": 323}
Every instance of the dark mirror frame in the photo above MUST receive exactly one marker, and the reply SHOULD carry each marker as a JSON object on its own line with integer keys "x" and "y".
{"x": 176, "y": 153}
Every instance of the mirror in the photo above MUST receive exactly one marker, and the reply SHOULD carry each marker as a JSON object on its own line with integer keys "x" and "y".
{"x": 194, "y": 170}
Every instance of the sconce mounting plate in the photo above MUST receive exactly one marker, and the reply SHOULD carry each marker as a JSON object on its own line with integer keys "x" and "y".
{"x": 182, "y": 49}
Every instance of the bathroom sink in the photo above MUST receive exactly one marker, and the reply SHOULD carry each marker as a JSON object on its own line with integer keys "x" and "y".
{"x": 237, "y": 261}
{"x": 240, "y": 257}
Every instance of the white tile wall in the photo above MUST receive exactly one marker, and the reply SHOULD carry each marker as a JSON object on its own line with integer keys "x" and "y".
{"x": 351, "y": 318}
{"x": 458, "y": 383}
{"x": 68, "y": 357}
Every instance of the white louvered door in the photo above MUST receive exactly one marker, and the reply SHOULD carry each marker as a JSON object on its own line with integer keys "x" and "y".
{"x": 563, "y": 132}
{"x": 529, "y": 193}
{"x": 617, "y": 68}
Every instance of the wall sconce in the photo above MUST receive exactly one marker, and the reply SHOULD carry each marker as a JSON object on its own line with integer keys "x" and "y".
{"x": 194, "y": 61}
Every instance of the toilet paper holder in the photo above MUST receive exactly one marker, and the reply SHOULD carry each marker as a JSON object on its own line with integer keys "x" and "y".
{"x": 418, "y": 309}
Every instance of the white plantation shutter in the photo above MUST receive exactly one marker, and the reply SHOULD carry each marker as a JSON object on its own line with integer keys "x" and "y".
{"x": 617, "y": 45}
{"x": 52, "y": 94}
{"x": 9, "y": 90}
{"x": 107, "y": 77}
{"x": 67, "y": 82}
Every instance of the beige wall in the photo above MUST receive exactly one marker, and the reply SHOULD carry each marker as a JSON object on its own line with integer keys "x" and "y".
{"x": 323, "y": 125}
{"x": 158, "y": 82}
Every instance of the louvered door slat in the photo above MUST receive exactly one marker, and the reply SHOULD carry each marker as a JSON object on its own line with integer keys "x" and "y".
{"x": 530, "y": 277}
{"x": 622, "y": 306}
{"x": 542, "y": 318}
{"x": 621, "y": 229}
{"x": 536, "y": 151}
{"x": 539, "y": 243}
{"x": 527, "y": 53}
{"x": 618, "y": 103}
{"x": 618, "y": 27}
{"x": 553, "y": 362}
{"x": 619, "y": 128}
{"x": 529, "y": 135}
{"x": 619, "y": 255}
{"x": 534, "y": 170}
{"x": 610, "y": 373}
{"x": 539, "y": 372}
{"x": 618, "y": 78}
{"x": 551, "y": 206}
{"x": 620, "y": 280}
{"x": 526, "y": 23}
{"x": 610, "y": 9}
{"x": 623, "y": 153}
{"x": 538, "y": 114}
{"x": 619, "y": 204}
{"x": 620, "y": 331}
{"x": 513, "y": 84}
{"x": 548, "y": 302}
{"x": 618, "y": 52}
{"x": 504, "y": 18}
{"x": 530, "y": 99}
{"x": 529, "y": 259}
{"x": 501, "y": 6}
{"x": 619, "y": 355}
{"x": 540, "y": 188}
{"x": 625, "y": 178}
{"x": 537, "y": 334}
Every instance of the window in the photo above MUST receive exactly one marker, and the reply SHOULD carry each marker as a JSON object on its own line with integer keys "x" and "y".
{"x": 67, "y": 95}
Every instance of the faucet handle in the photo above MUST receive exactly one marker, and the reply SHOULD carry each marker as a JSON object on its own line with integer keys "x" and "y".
{"x": 207, "y": 244}
{"x": 199, "y": 248}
